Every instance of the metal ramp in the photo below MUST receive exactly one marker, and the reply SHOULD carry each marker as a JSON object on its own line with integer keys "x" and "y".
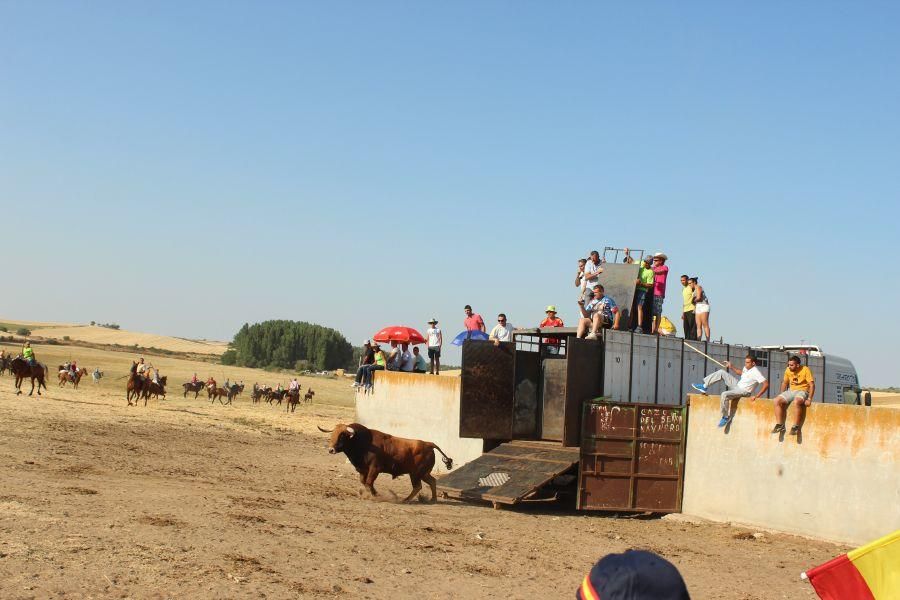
{"x": 509, "y": 473}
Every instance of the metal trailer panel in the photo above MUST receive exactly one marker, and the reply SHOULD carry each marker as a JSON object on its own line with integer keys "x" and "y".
{"x": 777, "y": 364}
{"x": 553, "y": 399}
{"x": 693, "y": 368}
{"x": 718, "y": 352}
{"x": 618, "y": 283}
{"x": 817, "y": 366}
{"x": 632, "y": 457}
{"x": 643, "y": 368}
{"x": 668, "y": 372}
{"x": 486, "y": 390}
{"x": 617, "y": 365}
{"x": 526, "y": 411}
{"x": 584, "y": 380}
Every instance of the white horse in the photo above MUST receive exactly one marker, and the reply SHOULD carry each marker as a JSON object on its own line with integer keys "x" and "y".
{"x": 97, "y": 374}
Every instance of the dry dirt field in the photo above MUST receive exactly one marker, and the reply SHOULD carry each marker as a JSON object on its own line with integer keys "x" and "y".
{"x": 191, "y": 500}
{"x": 106, "y": 336}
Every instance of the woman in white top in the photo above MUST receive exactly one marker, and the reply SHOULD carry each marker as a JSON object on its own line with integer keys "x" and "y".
{"x": 701, "y": 309}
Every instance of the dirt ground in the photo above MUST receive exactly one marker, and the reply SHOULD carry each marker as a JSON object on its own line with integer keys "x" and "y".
{"x": 184, "y": 499}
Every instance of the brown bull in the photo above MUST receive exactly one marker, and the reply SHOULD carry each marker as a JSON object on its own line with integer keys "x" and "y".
{"x": 372, "y": 452}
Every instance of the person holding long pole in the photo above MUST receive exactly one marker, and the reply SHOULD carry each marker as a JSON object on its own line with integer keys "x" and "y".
{"x": 735, "y": 388}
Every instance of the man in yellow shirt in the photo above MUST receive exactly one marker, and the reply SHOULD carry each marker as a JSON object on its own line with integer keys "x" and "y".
{"x": 798, "y": 387}
{"x": 687, "y": 311}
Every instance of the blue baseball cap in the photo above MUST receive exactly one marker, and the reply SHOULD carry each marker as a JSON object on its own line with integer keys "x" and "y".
{"x": 633, "y": 575}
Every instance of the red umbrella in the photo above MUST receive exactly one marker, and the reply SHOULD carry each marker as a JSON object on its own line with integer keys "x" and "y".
{"x": 399, "y": 333}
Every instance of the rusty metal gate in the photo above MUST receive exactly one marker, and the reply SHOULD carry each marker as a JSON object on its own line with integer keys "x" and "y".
{"x": 487, "y": 388}
{"x": 632, "y": 457}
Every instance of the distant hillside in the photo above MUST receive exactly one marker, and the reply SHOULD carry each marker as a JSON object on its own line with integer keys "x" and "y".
{"x": 95, "y": 334}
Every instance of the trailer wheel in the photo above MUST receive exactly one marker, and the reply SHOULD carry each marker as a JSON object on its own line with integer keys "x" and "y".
{"x": 867, "y": 398}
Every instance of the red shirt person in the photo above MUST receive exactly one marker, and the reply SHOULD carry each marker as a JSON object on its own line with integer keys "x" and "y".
{"x": 552, "y": 320}
{"x": 473, "y": 321}
{"x": 660, "y": 273}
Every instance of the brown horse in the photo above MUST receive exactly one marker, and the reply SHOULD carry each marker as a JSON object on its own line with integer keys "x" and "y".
{"x": 152, "y": 388}
{"x": 190, "y": 386}
{"x": 66, "y": 376}
{"x": 276, "y": 395}
{"x": 219, "y": 393}
{"x": 309, "y": 396}
{"x": 135, "y": 385}
{"x": 292, "y": 399}
{"x": 21, "y": 369}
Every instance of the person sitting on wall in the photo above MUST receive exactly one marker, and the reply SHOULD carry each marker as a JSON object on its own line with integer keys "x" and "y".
{"x": 419, "y": 363}
{"x": 736, "y": 388}
{"x": 802, "y": 388}
{"x": 598, "y": 311}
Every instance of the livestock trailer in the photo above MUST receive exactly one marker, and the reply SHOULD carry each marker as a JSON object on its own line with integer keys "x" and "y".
{"x": 604, "y": 418}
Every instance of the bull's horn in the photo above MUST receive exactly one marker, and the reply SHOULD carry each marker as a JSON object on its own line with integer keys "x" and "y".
{"x": 350, "y": 431}
{"x": 324, "y": 430}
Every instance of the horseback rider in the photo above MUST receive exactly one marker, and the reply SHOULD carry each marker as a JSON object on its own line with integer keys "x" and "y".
{"x": 156, "y": 376}
{"x": 294, "y": 386}
{"x": 194, "y": 379}
{"x": 141, "y": 367}
{"x": 73, "y": 370}
{"x": 28, "y": 354}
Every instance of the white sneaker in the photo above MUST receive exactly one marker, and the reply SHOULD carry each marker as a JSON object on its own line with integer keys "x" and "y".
{"x": 591, "y": 336}
{"x": 354, "y": 385}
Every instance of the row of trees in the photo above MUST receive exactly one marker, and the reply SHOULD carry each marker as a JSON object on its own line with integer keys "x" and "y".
{"x": 289, "y": 345}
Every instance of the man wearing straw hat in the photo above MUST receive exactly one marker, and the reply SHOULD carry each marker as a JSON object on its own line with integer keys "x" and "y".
{"x": 736, "y": 388}
{"x": 552, "y": 344}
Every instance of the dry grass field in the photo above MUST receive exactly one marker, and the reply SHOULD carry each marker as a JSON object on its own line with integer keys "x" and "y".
{"x": 106, "y": 336}
{"x": 185, "y": 499}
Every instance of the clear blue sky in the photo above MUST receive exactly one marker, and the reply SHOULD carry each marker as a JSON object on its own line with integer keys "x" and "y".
{"x": 182, "y": 168}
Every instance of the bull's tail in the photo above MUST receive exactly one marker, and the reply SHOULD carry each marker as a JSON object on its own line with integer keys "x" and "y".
{"x": 448, "y": 462}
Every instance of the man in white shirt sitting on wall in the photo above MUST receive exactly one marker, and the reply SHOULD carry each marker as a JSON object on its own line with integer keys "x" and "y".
{"x": 736, "y": 388}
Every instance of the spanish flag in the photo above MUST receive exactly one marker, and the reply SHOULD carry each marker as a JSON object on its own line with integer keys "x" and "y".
{"x": 871, "y": 572}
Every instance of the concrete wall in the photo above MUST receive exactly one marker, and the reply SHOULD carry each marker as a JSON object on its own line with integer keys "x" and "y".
{"x": 418, "y": 406}
{"x": 840, "y": 482}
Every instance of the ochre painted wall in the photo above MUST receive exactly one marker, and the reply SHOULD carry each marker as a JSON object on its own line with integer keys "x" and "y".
{"x": 417, "y": 406}
{"x": 840, "y": 481}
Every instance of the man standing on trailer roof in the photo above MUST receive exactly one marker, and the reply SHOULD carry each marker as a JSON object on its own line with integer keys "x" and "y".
{"x": 473, "y": 321}
{"x": 592, "y": 269}
{"x": 660, "y": 274}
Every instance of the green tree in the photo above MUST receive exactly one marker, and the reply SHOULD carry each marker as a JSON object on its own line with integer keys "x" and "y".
{"x": 283, "y": 343}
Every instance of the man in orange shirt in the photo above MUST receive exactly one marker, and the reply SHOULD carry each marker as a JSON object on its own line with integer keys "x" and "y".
{"x": 802, "y": 386}
{"x": 552, "y": 344}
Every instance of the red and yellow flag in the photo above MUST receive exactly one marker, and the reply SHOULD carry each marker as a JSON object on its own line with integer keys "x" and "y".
{"x": 871, "y": 572}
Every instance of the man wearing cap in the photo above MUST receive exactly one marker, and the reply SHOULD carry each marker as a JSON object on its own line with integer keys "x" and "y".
{"x": 598, "y": 310}
{"x": 473, "y": 321}
{"x": 643, "y": 286}
{"x": 660, "y": 274}
{"x": 435, "y": 341}
{"x": 551, "y": 320}
{"x": 633, "y": 575}
{"x": 502, "y": 331}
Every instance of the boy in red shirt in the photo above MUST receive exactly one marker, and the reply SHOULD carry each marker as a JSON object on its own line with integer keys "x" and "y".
{"x": 552, "y": 344}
